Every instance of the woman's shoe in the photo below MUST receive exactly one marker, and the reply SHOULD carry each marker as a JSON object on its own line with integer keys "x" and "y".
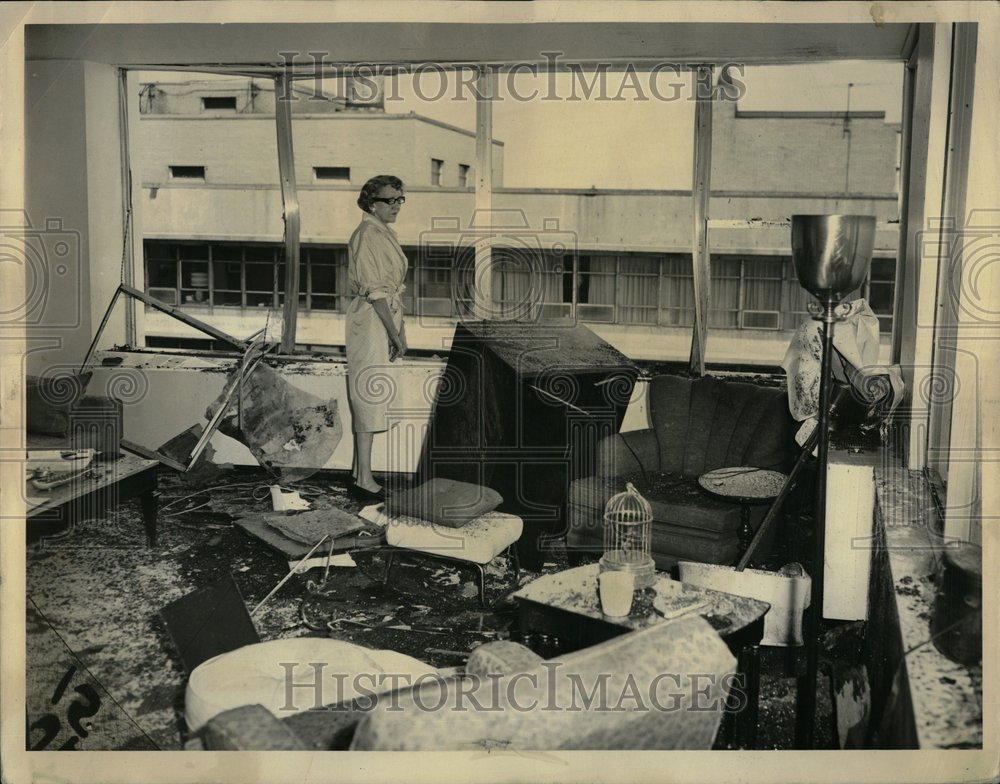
{"x": 361, "y": 494}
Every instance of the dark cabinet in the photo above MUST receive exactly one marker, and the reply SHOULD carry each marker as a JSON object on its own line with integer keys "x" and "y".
{"x": 521, "y": 408}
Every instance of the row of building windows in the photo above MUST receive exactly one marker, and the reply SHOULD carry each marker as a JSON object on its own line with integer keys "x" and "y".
{"x": 320, "y": 173}
{"x": 331, "y": 173}
{"x": 747, "y": 292}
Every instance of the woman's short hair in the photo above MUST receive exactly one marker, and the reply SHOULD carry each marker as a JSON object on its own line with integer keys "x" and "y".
{"x": 371, "y": 188}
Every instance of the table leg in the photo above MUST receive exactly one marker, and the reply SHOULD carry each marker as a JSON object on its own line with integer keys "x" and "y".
{"x": 746, "y": 722}
{"x": 746, "y": 530}
{"x": 149, "y": 503}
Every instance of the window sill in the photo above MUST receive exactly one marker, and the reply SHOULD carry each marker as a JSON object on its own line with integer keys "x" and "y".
{"x": 932, "y": 702}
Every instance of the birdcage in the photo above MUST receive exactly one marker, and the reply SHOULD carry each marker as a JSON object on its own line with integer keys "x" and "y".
{"x": 628, "y": 529}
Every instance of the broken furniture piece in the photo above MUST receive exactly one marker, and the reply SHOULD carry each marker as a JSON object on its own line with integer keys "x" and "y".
{"x": 520, "y": 409}
{"x": 208, "y": 621}
{"x": 292, "y": 433}
{"x": 176, "y": 313}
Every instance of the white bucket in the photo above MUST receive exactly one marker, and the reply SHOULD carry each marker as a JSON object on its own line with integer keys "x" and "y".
{"x": 788, "y": 596}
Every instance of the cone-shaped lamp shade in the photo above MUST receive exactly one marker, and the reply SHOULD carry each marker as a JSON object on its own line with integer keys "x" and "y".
{"x": 832, "y": 253}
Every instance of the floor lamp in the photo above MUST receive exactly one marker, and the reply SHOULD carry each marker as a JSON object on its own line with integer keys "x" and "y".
{"x": 832, "y": 255}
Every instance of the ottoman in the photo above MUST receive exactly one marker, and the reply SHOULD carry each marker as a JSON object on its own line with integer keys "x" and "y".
{"x": 476, "y": 543}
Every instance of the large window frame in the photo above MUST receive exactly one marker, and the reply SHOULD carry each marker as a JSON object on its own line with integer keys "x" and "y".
{"x": 699, "y": 309}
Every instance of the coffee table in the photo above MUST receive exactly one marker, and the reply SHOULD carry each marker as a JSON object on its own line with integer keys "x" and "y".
{"x": 565, "y": 605}
{"x": 103, "y": 485}
{"x": 744, "y": 485}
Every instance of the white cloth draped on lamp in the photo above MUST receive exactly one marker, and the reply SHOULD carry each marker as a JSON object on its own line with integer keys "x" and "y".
{"x": 855, "y": 361}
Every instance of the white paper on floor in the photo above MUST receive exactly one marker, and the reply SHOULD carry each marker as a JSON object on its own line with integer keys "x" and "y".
{"x": 375, "y": 514}
{"x": 285, "y": 501}
{"x": 341, "y": 559}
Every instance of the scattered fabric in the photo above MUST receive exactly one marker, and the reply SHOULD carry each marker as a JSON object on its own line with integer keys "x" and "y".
{"x": 311, "y": 526}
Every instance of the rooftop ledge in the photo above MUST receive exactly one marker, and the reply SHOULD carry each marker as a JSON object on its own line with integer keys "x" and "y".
{"x": 932, "y": 702}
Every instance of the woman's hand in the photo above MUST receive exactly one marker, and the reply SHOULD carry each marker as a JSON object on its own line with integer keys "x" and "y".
{"x": 397, "y": 346}
{"x": 397, "y": 338}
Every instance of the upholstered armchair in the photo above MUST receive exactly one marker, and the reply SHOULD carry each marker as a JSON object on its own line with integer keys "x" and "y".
{"x": 695, "y": 425}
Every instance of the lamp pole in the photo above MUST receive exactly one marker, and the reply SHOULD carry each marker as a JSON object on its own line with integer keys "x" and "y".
{"x": 806, "y": 709}
{"x": 832, "y": 255}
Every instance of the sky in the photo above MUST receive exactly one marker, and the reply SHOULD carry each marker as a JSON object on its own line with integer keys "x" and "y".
{"x": 634, "y": 130}
{"x": 644, "y": 139}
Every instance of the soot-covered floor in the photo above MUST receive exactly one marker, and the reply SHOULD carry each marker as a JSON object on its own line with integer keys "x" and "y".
{"x": 103, "y": 673}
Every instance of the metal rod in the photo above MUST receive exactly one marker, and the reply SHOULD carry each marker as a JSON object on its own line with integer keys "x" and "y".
{"x": 701, "y": 195}
{"x": 100, "y": 329}
{"x": 180, "y": 315}
{"x": 287, "y": 577}
{"x": 290, "y": 203}
{"x": 805, "y": 722}
{"x": 220, "y": 412}
{"x": 486, "y": 89}
{"x": 152, "y": 454}
{"x": 772, "y": 513}
{"x": 128, "y": 247}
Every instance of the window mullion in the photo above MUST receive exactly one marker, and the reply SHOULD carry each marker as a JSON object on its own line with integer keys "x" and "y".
{"x": 211, "y": 277}
{"x": 243, "y": 277}
{"x": 289, "y": 198}
{"x": 740, "y": 298}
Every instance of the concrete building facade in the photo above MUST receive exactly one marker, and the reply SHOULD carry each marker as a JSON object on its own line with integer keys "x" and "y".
{"x": 618, "y": 259}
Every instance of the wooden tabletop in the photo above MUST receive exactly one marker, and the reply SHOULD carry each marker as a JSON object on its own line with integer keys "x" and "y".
{"x": 98, "y": 475}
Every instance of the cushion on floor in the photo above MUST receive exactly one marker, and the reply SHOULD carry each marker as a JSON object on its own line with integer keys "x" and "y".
{"x": 323, "y": 671}
{"x": 445, "y": 502}
{"x": 480, "y": 541}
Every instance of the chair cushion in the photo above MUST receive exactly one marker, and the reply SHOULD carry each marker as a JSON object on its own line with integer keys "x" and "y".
{"x": 673, "y": 499}
{"x": 670, "y": 544}
{"x": 501, "y": 657}
{"x": 445, "y": 502}
{"x": 48, "y": 401}
{"x": 482, "y": 540}
{"x": 325, "y": 672}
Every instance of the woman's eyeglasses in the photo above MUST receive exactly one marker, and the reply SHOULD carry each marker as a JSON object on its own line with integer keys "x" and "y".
{"x": 393, "y": 200}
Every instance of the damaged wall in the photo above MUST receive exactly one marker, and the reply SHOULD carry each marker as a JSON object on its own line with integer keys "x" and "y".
{"x": 164, "y": 394}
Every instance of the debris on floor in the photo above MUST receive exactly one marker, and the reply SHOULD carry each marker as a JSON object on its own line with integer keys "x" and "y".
{"x": 100, "y": 588}
{"x": 288, "y": 430}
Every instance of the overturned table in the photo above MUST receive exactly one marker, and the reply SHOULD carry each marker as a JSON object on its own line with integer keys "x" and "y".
{"x": 522, "y": 408}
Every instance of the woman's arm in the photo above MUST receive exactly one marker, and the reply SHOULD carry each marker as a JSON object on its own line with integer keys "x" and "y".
{"x": 397, "y": 339}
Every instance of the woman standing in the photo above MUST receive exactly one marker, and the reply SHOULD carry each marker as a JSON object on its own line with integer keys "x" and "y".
{"x": 375, "y": 335}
